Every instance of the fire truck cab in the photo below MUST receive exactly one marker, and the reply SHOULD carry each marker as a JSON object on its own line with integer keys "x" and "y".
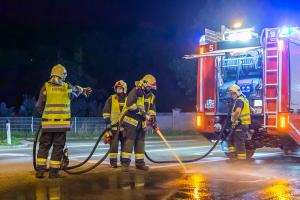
{"x": 266, "y": 66}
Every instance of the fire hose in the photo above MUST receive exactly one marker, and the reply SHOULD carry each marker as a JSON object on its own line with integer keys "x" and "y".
{"x": 67, "y": 168}
{"x": 219, "y": 137}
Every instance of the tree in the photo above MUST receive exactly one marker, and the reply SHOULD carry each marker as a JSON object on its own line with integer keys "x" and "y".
{"x": 5, "y": 111}
{"x": 186, "y": 75}
{"x": 28, "y": 106}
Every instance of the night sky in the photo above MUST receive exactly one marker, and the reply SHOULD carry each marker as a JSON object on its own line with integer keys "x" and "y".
{"x": 119, "y": 39}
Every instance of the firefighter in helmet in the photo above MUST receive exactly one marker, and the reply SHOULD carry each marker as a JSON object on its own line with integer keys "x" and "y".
{"x": 140, "y": 107}
{"x": 54, "y": 105}
{"x": 240, "y": 118}
{"x": 112, "y": 110}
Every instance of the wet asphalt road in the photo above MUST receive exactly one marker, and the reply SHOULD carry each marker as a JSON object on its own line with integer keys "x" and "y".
{"x": 270, "y": 175}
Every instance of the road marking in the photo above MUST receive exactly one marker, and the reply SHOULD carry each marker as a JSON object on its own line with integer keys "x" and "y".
{"x": 14, "y": 154}
{"x": 215, "y": 159}
{"x": 78, "y": 145}
{"x": 259, "y": 154}
{"x": 178, "y": 148}
{"x": 84, "y": 156}
{"x": 13, "y": 149}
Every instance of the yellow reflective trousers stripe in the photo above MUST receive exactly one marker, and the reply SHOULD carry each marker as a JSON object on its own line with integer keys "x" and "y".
{"x": 139, "y": 156}
{"x": 41, "y": 161}
{"x": 55, "y": 164}
{"x": 126, "y": 155}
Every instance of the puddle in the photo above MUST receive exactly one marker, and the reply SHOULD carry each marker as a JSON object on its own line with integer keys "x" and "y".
{"x": 156, "y": 184}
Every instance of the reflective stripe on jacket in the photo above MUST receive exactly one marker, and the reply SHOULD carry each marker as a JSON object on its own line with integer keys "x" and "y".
{"x": 141, "y": 105}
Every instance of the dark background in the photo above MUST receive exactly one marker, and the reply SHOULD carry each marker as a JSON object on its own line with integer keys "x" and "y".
{"x": 100, "y": 42}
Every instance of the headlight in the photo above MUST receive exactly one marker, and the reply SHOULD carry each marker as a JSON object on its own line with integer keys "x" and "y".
{"x": 218, "y": 127}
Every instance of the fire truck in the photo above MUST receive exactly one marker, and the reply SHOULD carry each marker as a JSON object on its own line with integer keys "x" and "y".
{"x": 266, "y": 66}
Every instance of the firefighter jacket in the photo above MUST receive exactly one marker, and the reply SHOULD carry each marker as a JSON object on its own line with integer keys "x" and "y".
{"x": 138, "y": 105}
{"x": 244, "y": 118}
{"x": 54, "y": 104}
{"x": 113, "y": 108}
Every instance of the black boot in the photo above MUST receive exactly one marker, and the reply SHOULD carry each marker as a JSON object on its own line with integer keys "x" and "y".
{"x": 54, "y": 173}
{"x": 142, "y": 167}
{"x": 113, "y": 163}
{"x": 125, "y": 162}
{"x": 140, "y": 164}
{"x": 40, "y": 171}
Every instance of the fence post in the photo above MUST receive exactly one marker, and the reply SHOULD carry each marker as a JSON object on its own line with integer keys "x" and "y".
{"x": 8, "y": 132}
{"x": 75, "y": 125}
{"x": 32, "y": 124}
{"x": 176, "y": 113}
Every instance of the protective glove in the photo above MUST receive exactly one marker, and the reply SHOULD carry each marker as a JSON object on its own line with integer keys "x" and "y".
{"x": 79, "y": 89}
{"x": 234, "y": 122}
{"x": 87, "y": 91}
{"x": 107, "y": 137}
{"x": 145, "y": 116}
{"x": 152, "y": 121}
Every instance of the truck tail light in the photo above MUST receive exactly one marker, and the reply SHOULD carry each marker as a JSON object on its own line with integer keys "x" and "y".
{"x": 283, "y": 121}
{"x": 199, "y": 120}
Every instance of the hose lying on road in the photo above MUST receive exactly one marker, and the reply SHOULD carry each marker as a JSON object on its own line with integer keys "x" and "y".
{"x": 190, "y": 160}
{"x": 36, "y": 137}
{"x": 175, "y": 161}
{"x": 90, "y": 168}
{"x": 67, "y": 169}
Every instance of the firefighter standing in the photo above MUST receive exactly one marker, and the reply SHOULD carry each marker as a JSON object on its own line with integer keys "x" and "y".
{"x": 54, "y": 104}
{"x": 112, "y": 110}
{"x": 140, "y": 107}
{"x": 240, "y": 121}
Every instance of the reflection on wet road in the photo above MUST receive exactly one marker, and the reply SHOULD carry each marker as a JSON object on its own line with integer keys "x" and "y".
{"x": 270, "y": 175}
{"x": 264, "y": 178}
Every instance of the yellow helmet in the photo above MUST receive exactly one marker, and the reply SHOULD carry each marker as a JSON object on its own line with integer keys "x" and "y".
{"x": 235, "y": 89}
{"x": 59, "y": 71}
{"x": 149, "y": 81}
{"x": 121, "y": 84}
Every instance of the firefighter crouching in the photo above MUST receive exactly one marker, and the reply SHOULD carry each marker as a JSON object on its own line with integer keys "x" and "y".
{"x": 54, "y": 104}
{"x": 140, "y": 108}
{"x": 240, "y": 121}
{"x": 114, "y": 106}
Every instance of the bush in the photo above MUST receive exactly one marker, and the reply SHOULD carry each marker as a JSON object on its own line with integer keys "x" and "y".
{"x": 14, "y": 141}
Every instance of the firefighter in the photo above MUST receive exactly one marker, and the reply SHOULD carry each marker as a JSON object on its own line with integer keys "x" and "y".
{"x": 240, "y": 120}
{"x": 140, "y": 107}
{"x": 112, "y": 110}
{"x": 54, "y": 104}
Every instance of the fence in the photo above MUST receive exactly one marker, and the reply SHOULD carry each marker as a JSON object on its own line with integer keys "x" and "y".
{"x": 25, "y": 126}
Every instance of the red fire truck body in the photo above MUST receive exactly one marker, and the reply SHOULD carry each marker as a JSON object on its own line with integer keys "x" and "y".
{"x": 267, "y": 69}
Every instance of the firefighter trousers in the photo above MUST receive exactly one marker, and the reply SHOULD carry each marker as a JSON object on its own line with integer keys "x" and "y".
{"x": 134, "y": 139}
{"x": 114, "y": 146}
{"x": 47, "y": 140}
{"x": 238, "y": 140}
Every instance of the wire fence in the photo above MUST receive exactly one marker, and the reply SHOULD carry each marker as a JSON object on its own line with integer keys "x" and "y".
{"x": 91, "y": 126}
